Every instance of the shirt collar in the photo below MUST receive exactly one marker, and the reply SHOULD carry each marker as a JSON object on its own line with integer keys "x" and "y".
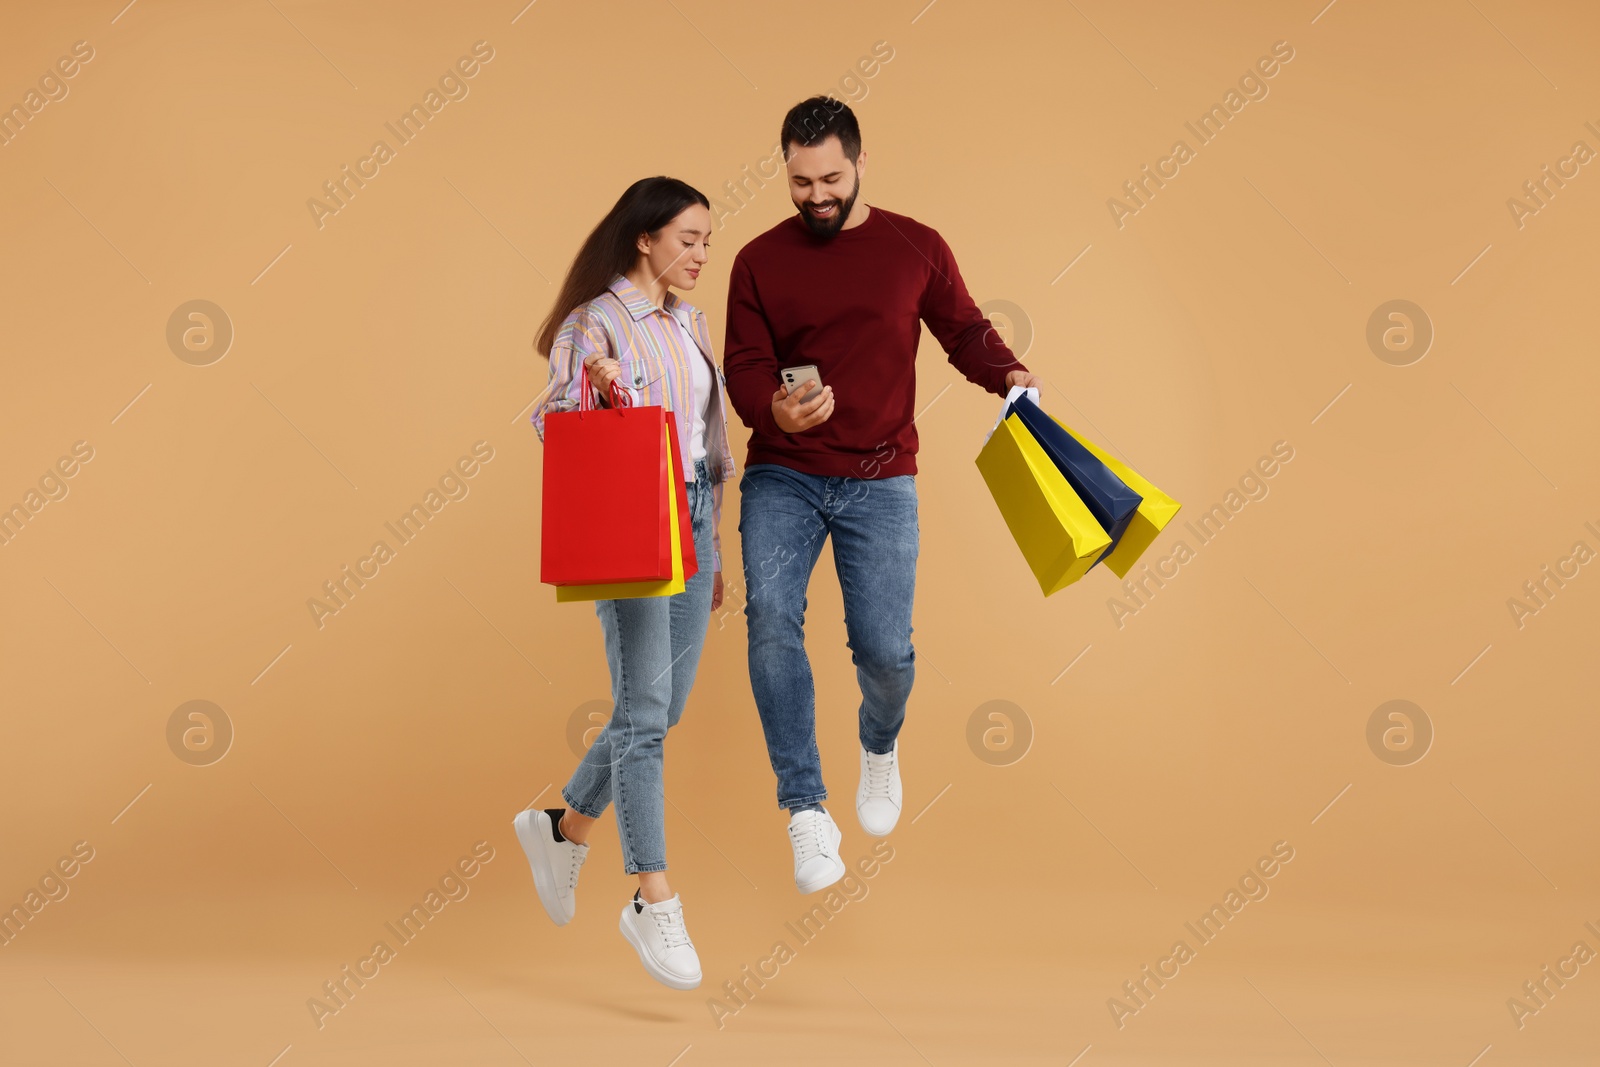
{"x": 639, "y": 305}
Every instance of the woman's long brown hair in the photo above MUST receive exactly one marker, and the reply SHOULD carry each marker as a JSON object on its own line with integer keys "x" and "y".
{"x": 611, "y": 247}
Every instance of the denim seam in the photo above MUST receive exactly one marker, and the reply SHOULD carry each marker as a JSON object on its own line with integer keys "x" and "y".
{"x": 816, "y": 753}
{"x": 618, "y": 788}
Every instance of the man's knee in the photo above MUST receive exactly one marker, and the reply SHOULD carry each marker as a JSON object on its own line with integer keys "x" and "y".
{"x": 773, "y": 606}
{"x": 882, "y": 658}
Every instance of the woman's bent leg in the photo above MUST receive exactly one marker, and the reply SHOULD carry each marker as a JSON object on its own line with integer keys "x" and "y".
{"x": 623, "y": 766}
{"x": 653, "y": 647}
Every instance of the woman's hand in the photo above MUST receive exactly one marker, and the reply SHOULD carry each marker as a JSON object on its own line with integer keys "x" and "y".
{"x": 716, "y": 591}
{"x": 602, "y": 372}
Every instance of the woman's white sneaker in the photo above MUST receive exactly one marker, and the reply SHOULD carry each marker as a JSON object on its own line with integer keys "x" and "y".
{"x": 878, "y": 795}
{"x": 657, "y": 933}
{"x": 815, "y": 839}
{"x": 555, "y": 861}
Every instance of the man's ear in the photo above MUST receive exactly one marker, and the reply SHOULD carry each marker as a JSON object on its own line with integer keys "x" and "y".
{"x": 861, "y": 164}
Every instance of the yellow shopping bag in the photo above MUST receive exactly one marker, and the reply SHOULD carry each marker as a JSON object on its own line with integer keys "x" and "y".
{"x": 1155, "y": 511}
{"x": 628, "y": 590}
{"x": 1057, "y": 533}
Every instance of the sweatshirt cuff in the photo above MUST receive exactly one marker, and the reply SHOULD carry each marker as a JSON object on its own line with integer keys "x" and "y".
{"x": 768, "y": 422}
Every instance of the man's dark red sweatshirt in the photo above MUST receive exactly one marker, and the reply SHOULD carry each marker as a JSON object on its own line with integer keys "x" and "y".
{"x": 853, "y": 304}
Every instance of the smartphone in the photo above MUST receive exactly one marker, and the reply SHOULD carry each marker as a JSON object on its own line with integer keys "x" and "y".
{"x": 795, "y": 377}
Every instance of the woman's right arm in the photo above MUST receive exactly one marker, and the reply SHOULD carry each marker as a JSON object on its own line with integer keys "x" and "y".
{"x": 581, "y": 358}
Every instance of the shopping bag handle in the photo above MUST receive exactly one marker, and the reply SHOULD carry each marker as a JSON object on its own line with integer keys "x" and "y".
{"x": 1032, "y": 393}
{"x": 619, "y": 396}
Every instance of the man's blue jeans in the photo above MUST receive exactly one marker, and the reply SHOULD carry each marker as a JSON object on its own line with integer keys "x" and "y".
{"x": 784, "y": 517}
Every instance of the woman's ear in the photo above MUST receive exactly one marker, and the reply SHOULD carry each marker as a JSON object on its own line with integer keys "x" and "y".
{"x": 643, "y": 244}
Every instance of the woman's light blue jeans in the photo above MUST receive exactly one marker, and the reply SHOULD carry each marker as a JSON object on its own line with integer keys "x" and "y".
{"x": 653, "y": 647}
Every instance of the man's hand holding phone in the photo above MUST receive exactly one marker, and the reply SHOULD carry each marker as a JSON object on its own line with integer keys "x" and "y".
{"x": 801, "y": 406}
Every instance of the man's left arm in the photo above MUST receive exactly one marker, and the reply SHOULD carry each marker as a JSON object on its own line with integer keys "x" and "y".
{"x": 974, "y": 346}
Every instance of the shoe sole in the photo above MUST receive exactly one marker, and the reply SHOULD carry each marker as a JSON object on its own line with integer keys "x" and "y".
{"x": 651, "y": 967}
{"x": 530, "y": 825}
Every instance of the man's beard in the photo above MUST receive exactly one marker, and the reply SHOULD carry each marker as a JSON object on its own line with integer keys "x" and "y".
{"x": 831, "y": 226}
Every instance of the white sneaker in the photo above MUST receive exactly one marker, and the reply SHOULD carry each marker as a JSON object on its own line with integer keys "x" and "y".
{"x": 657, "y": 934}
{"x": 815, "y": 839}
{"x": 555, "y": 861}
{"x": 878, "y": 795}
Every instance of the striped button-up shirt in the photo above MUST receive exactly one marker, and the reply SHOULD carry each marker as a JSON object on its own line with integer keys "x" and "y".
{"x": 624, "y": 325}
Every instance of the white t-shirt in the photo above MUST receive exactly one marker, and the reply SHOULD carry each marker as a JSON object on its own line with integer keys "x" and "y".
{"x": 700, "y": 369}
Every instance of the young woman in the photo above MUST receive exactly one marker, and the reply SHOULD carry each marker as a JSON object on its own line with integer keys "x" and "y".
{"x": 616, "y": 320}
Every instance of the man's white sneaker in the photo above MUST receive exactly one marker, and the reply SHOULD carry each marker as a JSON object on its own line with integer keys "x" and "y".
{"x": 555, "y": 861}
{"x": 815, "y": 839}
{"x": 657, "y": 934}
{"x": 878, "y": 795}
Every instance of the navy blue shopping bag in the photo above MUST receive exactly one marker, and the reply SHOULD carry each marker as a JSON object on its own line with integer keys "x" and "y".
{"x": 1107, "y": 496}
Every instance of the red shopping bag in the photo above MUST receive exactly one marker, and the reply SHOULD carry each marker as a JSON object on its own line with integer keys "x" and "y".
{"x": 678, "y": 519}
{"x": 605, "y": 494}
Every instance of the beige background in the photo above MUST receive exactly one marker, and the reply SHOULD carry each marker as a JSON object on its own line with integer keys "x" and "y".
{"x": 1229, "y": 713}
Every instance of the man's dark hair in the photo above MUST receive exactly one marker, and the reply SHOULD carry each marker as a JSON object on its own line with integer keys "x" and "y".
{"x": 815, "y": 120}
